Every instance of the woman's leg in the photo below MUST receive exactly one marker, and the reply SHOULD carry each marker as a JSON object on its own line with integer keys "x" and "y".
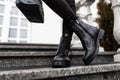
{"x": 88, "y": 35}
{"x": 62, "y": 8}
{"x": 66, "y": 30}
{"x": 61, "y": 58}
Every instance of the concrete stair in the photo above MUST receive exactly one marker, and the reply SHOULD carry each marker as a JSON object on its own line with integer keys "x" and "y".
{"x": 34, "y": 61}
{"x": 39, "y": 55}
{"x": 92, "y": 72}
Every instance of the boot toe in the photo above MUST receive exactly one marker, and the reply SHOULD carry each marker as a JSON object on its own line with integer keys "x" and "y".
{"x": 60, "y": 62}
{"x": 90, "y": 56}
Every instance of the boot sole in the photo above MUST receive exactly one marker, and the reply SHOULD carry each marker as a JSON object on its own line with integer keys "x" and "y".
{"x": 61, "y": 64}
{"x": 100, "y": 35}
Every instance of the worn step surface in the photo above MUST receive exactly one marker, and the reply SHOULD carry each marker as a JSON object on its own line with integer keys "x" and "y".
{"x": 41, "y": 55}
{"x": 92, "y": 72}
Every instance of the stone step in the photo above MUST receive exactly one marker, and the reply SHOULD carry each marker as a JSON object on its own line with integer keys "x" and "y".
{"x": 92, "y": 72}
{"x": 33, "y": 47}
{"x": 19, "y": 46}
{"x": 41, "y": 55}
{"x": 44, "y": 58}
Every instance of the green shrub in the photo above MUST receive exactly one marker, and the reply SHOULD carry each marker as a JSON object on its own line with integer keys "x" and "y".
{"x": 106, "y": 21}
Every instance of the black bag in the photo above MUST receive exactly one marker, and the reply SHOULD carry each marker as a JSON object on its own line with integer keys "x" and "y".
{"x": 32, "y": 11}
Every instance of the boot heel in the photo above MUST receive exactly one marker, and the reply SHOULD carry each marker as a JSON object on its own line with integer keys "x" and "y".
{"x": 101, "y": 33}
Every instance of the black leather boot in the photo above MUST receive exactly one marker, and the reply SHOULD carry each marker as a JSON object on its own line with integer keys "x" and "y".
{"x": 89, "y": 37}
{"x": 96, "y": 34}
{"x": 62, "y": 59}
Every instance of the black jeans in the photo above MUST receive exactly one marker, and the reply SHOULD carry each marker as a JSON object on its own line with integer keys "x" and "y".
{"x": 66, "y": 28}
{"x": 62, "y": 8}
{"x": 66, "y": 10}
